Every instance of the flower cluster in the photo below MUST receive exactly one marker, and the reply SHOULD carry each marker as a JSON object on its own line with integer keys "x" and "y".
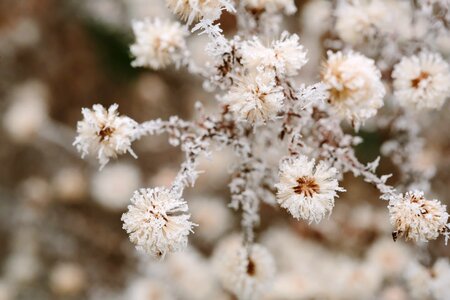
{"x": 273, "y": 125}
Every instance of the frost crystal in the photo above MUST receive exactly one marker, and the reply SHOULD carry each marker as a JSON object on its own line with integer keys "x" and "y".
{"x": 422, "y": 81}
{"x": 354, "y": 84}
{"x": 157, "y": 221}
{"x": 417, "y": 218}
{"x": 158, "y": 43}
{"x": 105, "y": 133}
{"x": 307, "y": 191}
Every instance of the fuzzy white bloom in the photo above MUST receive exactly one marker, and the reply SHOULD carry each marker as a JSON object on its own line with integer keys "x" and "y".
{"x": 271, "y": 6}
{"x": 354, "y": 84}
{"x": 255, "y": 98}
{"x": 28, "y": 112}
{"x": 285, "y": 55}
{"x": 417, "y": 218}
{"x": 158, "y": 43}
{"x": 360, "y": 21}
{"x": 422, "y": 81}
{"x": 246, "y": 272}
{"x": 307, "y": 190}
{"x": 105, "y": 133}
{"x": 113, "y": 186}
{"x": 157, "y": 221}
{"x": 193, "y": 10}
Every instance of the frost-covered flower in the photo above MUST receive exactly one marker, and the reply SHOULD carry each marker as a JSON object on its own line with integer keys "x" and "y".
{"x": 246, "y": 272}
{"x": 255, "y": 98}
{"x": 417, "y": 218}
{"x": 354, "y": 84}
{"x": 285, "y": 55}
{"x": 158, "y": 43}
{"x": 307, "y": 190}
{"x": 271, "y": 6}
{"x": 359, "y": 21}
{"x": 105, "y": 133}
{"x": 193, "y": 10}
{"x": 157, "y": 221}
{"x": 422, "y": 81}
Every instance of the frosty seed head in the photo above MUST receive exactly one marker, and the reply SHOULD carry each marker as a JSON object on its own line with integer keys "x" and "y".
{"x": 416, "y": 218}
{"x": 307, "y": 190}
{"x": 104, "y": 133}
{"x": 421, "y": 81}
{"x": 157, "y": 221}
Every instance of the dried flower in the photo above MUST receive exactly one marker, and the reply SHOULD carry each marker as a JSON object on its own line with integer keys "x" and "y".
{"x": 157, "y": 221}
{"x": 286, "y": 56}
{"x": 422, "y": 81}
{"x": 354, "y": 84}
{"x": 417, "y": 218}
{"x": 246, "y": 272}
{"x": 255, "y": 98}
{"x": 158, "y": 43}
{"x": 105, "y": 133}
{"x": 307, "y": 191}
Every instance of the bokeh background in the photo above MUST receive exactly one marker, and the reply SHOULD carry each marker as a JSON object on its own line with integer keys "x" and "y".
{"x": 60, "y": 228}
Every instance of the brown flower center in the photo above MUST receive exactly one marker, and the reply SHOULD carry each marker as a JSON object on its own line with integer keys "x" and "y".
{"x": 105, "y": 132}
{"x": 306, "y": 186}
{"x": 251, "y": 267}
{"x": 416, "y": 81}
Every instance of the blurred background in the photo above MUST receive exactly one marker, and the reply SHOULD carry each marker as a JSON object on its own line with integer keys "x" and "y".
{"x": 60, "y": 227}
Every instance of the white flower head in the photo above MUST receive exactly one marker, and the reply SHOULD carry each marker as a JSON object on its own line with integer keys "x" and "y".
{"x": 360, "y": 21}
{"x": 157, "y": 221}
{"x": 246, "y": 272}
{"x": 255, "y": 98}
{"x": 286, "y": 55}
{"x": 193, "y": 10}
{"x": 354, "y": 84}
{"x": 158, "y": 43}
{"x": 417, "y": 218}
{"x": 271, "y": 6}
{"x": 422, "y": 81}
{"x": 307, "y": 190}
{"x": 105, "y": 133}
